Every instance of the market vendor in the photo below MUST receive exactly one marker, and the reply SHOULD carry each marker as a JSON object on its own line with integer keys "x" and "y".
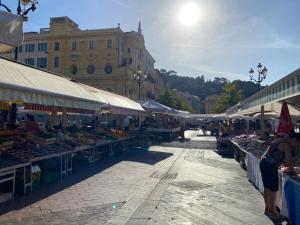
{"x": 31, "y": 125}
{"x": 279, "y": 150}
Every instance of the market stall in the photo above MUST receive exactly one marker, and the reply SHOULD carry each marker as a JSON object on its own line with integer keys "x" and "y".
{"x": 48, "y": 122}
{"x": 249, "y": 148}
{"x": 118, "y": 104}
{"x": 164, "y": 121}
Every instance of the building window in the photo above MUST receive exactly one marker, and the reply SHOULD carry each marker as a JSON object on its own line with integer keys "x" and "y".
{"x": 56, "y": 61}
{"x": 109, "y": 44}
{"x": 20, "y": 49}
{"x": 74, "y": 69}
{"x": 288, "y": 85}
{"x": 29, "y": 47}
{"x": 56, "y": 46}
{"x": 90, "y": 69}
{"x": 42, "y": 62}
{"x": 74, "y": 45}
{"x": 42, "y": 47}
{"x": 130, "y": 61}
{"x": 91, "y": 44}
{"x": 108, "y": 69}
{"x": 29, "y": 61}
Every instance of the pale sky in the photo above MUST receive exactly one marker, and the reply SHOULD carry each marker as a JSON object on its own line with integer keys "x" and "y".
{"x": 229, "y": 37}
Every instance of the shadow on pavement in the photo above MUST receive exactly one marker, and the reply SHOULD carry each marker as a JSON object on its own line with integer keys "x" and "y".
{"x": 81, "y": 173}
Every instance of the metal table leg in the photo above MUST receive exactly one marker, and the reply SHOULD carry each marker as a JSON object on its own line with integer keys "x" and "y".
{"x": 27, "y": 184}
{"x": 69, "y": 164}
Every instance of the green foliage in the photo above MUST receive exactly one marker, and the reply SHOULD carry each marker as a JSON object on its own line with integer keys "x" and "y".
{"x": 247, "y": 88}
{"x": 181, "y": 104}
{"x": 171, "y": 100}
{"x": 200, "y": 87}
{"x": 230, "y": 97}
{"x": 167, "y": 99}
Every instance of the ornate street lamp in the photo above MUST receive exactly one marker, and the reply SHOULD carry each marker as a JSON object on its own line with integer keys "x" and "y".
{"x": 23, "y": 8}
{"x": 140, "y": 78}
{"x": 262, "y": 74}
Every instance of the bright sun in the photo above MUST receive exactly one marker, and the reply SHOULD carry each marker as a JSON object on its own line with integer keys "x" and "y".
{"x": 189, "y": 14}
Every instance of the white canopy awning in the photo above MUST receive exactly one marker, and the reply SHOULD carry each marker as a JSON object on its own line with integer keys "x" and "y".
{"x": 238, "y": 116}
{"x": 272, "y": 109}
{"x": 11, "y": 31}
{"x": 19, "y": 82}
{"x": 118, "y": 104}
{"x": 156, "y": 107}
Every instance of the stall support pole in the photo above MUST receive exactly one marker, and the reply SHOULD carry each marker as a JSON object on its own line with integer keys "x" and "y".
{"x": 248, "y": 125}
{"x": 14, "y": 184}
{"x": 140, "y": 121}
{"x": 53, "y": 117}
{"x": 262, "y": 119}
{"x": 64, "y": 120}
{"x": 63, "y": 166}
{"x": 27, "y": 184}
{"x": 69, "y": 163}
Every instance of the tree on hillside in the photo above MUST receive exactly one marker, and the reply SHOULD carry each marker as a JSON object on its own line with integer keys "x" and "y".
{"x": 173, "y": 101}
{"x": 201, "y": 87}
{"x": 247, "y": 88}
{"x": 230, "y": 97}
{"x": 167, "y": 99}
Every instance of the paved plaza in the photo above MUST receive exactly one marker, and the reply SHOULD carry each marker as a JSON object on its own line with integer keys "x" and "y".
{"x": 173, "y": 183}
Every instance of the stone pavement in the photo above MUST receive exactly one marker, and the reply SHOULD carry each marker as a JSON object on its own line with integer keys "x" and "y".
{"x": 176, "y": 183}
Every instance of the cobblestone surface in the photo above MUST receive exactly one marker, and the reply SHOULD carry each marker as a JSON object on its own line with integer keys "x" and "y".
{"x": 177, "y": 183}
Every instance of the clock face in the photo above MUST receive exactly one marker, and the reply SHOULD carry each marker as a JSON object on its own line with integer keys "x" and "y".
{"x": 90, "y": 69}
{"x": 108, "y": 69}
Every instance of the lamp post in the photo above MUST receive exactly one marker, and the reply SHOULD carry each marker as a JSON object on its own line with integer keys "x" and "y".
{"x": 262, "y": 73}
{"x": 23, "y": 8}
{"x": 140, "y": 78}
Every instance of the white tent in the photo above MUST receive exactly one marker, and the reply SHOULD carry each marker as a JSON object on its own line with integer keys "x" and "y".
{"x": 19, "y": 82}
{"x": 156, "y": 107}
{"x": 272, "y": 109}
{"x": 238, "y": 116}
{"x": 118, "y": 104}
{"x": 11, "y": 31}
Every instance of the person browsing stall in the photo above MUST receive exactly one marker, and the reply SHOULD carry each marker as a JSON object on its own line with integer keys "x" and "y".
{"x": 31, "y": 125}
{"x": 279, "y": 150}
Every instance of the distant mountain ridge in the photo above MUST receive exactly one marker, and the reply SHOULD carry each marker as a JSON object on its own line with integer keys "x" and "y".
{"x": 202, "y": 88}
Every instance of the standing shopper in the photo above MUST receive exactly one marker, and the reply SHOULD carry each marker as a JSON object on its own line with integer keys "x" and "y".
{"x": 279, "y": 150}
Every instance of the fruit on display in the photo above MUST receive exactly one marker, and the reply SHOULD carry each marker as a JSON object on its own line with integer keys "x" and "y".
{"x": 36, "y": 174}
{"x": 9, "y": 132}
{"x": 118, "y": 133}
{"x": 251, "y": 143}
{"x": 41, "y": 138}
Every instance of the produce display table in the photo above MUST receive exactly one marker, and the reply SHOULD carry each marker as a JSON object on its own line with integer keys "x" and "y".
{"x": 24, "y": 159}
{"x": 239, "y": 154}
{"x": 224, "y": 146}
{"x": 288, "y": 196}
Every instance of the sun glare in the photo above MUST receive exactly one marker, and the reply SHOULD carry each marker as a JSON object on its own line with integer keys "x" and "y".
{"x": 189, "y": 14}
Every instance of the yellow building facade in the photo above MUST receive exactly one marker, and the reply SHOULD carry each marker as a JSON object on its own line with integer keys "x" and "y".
{"x": 103, "y": 58}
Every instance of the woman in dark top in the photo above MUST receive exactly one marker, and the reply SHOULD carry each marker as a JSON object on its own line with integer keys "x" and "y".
{"x": 279, "y": 149}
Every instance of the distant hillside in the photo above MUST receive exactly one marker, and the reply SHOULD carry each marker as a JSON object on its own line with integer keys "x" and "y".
{"x": 202, "y": 87}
